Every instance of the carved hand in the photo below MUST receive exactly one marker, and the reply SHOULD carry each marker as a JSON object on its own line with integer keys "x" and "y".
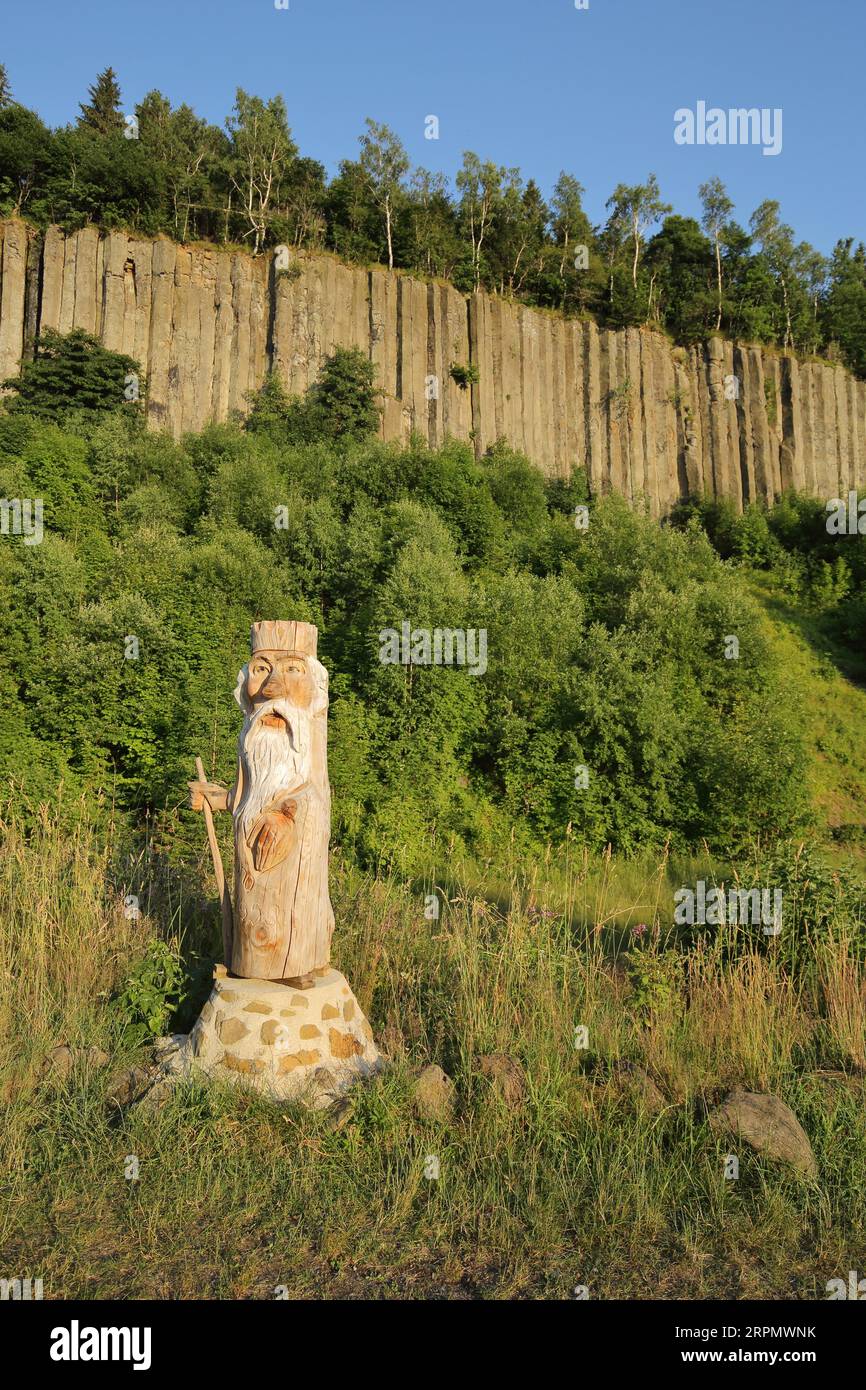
{"x": 216, "y": 795}
{"x": 272, "y": 836}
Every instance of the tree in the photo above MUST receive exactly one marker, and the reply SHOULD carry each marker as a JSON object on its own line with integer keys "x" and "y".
{"x": 571, "y": 228}
{"x": 25, "y": 157}
{"x": 716, "y": 215}
{"x": 844, "y": 312}
{"x": 384, "y": 164}
{"x": 435, "y": 247}
{"x": 72, "y": 372}
{"x": 750, "y": 288}
{"x": 354, "y": 226}
{"x": 637, "y": 206}
{"x": 273, "y": 411}
{"x": 102, "y": 113}
{"x": 262, "y": 151}
{"x": 810, "y": 270}
{"x": 6, "y": 97}
{"x": 340, "y": 406}
{"x": 519, "y": 229}
{"x": 679, "y": 258}
{"x": 304, "y": 194}
{"x": 613, "y": 239}
{"x": 187, "y": 150}
{"x": 342, "y": 403}
{"x": 104, "y": 180}
{"x": 480, "y": 186}
{"x": 776, "y": 240}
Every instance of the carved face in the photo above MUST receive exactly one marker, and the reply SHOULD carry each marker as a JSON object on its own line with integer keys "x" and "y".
{"x": 279, "y": 676}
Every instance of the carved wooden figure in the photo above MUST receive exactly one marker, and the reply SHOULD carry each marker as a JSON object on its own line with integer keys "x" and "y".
{"x": 281, "y": 805}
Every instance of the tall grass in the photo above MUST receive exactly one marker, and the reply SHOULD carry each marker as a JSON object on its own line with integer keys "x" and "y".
{"x": 65, "y": 936}
{"x": 584, "y": 1183}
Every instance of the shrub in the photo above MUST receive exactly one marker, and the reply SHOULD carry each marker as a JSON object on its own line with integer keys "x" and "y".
{"x": 151, "y": 993}
{"x": 465, "y": 374}
{"x": 73, "y": 372}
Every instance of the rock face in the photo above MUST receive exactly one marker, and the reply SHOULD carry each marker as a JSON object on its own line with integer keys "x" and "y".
{"x": 288, "y": 1043}
{"x": 768, "y": 1125}
{"x": 642, "y": 418}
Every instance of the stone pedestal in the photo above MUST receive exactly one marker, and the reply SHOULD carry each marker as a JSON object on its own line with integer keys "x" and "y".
{"x": 287, "y": 1043}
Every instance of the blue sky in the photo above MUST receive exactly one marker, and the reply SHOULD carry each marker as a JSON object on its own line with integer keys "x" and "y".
{"x": 533, "y": 83}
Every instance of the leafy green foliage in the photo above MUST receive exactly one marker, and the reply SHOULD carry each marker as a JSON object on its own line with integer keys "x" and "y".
{"x": 342, "y": 403}
{"x": 249, "y": 184}
{"x": 605, "y": 647}
{"x": 151, "y": 993}
{"x": 465, "y": 374}
{"x": 823, "y": 911}
{"x": 341, "y": 406}
{"x": 73, "y": 372}
{"x": 656, "y": 979}
{"x": 817, "y": 568}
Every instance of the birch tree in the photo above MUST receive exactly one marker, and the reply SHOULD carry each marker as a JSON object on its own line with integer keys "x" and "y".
{"x": 638, "y": 207}
{"x": 480, "y": 188}
{"x": 776, "y": 241}
{"x": 385, "y": 164}
{"x": 716, "y": 216}
{"x": 262, "y": 151}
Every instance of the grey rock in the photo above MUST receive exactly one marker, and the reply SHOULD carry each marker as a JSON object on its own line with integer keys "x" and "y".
{"x": 129, "y": 1085}
{"x": 339, "y": 1113}
{"x": 58, "y": 1064}
{"x": 767, "y": 1125}
{"x": 61, "y": 1060}
{"x": 635, "y": 1085}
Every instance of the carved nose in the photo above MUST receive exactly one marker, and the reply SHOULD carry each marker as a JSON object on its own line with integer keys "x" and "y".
{"x": 273, "y": 687}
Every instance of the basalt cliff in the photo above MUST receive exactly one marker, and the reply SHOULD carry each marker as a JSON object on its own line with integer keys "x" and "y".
{"x": 643, "y": 417}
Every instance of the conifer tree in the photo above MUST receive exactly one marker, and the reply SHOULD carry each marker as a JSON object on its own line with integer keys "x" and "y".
{"x": 102, "y": 113}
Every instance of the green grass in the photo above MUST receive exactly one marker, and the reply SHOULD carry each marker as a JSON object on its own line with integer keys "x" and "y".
{"x": 831, "y": 685}
{"x": 581, "y": 1185}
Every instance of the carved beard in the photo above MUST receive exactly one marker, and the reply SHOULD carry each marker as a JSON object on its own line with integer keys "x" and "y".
{"x": 275, "y": 761}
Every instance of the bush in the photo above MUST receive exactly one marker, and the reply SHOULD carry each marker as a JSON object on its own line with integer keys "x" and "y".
{"x": 151, "y": 993}
{"x": 605, "y": 647}
{"x": 75, "y": 372}
{"x": 465, "y": 374}
{"x": 340, "y": 407}
{"x": 823, "y": 910}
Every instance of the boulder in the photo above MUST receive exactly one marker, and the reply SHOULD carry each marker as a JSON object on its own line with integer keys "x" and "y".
{"x": 632, "y": 1084}
{"x": 59, "y": 1063}
{"x": 434, "y": 1094}
{"x": 768, "y": 1125}
{"x": 339, "y": 1114}
{"x": 128, "y": 1085}
{"x": 507, "y": 1077}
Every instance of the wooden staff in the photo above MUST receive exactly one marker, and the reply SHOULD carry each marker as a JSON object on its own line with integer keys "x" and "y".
{"x": 222, "y": 889}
